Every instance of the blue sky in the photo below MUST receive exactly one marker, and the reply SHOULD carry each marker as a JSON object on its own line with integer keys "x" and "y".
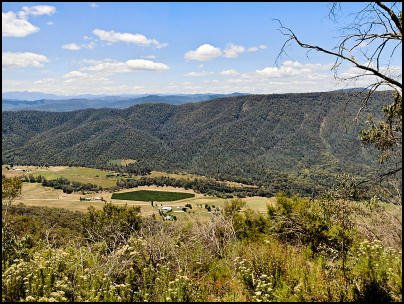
{"x": 129, "y": 48}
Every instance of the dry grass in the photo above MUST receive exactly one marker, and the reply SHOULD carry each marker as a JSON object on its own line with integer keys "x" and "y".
{"x": 34, "y": 194}
{"x": 381, "y": 222}
{"x": 78, "y": 174}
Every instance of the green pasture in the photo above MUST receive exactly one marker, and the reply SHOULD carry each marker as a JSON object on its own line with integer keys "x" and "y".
{"x": 156, "y": 196}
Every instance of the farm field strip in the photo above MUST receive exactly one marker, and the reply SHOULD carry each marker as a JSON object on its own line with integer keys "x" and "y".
{"x": 97, "y": 176}
{"x": 152, "y": 195}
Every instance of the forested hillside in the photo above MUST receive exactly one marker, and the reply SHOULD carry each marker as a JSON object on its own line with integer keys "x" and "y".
{"x": 290, "y": 142}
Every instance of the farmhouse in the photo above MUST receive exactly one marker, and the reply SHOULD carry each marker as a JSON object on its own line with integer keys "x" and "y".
{"x": 166, "y": 209}
{"x": 19, "y": 169}
{"x": 168, "y": 218}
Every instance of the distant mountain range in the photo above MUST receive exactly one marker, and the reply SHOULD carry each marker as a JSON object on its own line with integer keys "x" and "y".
{"x": 15, "y": 101}
{"x": 296, "y": 142}
{"x": 31, "y": 96}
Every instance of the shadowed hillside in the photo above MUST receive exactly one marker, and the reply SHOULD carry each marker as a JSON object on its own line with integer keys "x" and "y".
{"x": 295, "y": 142}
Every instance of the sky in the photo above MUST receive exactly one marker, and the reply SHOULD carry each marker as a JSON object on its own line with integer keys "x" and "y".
{"x": 170, "y": 48}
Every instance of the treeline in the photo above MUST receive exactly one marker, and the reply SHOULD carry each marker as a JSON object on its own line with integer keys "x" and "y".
{"x": 62, "y": 183}
{"x": 205, "y": 186}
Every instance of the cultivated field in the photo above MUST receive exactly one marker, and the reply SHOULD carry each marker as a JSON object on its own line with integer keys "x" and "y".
{"x": 149, "y": 195}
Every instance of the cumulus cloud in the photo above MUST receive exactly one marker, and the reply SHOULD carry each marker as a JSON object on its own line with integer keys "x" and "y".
{"x": 233, "y": 50}
{"x": 112, "y": 36}
{"x": 111, "y": 67}
{"x": 37, "y": 10}
{"x": 23, "y": 60}
{"x": 13, "y": 26}
{"x": 292, "y": 68}
{"x": 199, "y": 74}
{"x": 17, "y": 24}
{"x": 148, "y": 65}
{"x": 203, "y": 53}
{"x": 230, "y": 72}
{"x": 207, "y": 51}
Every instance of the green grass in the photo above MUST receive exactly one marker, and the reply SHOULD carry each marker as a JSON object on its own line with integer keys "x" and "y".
{"x": 147, "y": 195}
{"x": 78, "y": 174}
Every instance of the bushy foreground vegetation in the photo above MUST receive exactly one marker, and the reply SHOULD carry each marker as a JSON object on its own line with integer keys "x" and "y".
{"x": 301, "y": 250}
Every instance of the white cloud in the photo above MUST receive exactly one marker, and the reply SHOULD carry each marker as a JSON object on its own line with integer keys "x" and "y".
{"x": 233, "y": 50}
{"x": 148, "y": 65}
{"x": 207, "y": 51}
{"x": 45, "y": 81}
{"x": 199, "y": 74}
{"x": 112, "y": 36}
{"x": 252, "y": 49}
{"x": 23, "y": 60}
{"x": 37, "y": 10}
{"x": 256, "y": 48}
{"x": 13, "y": 26}
{"x": 94, "y": 62}
{"x": 74, "y": 74}
{"x": 76, "y": 47}
{"x": 94, "y": 5}
{"x": 292, "y": 68}
{"x": 112, "y": 67}
{"x": 71, "y": 47}
{"x": 203, "y": 53}
{"x": 49, "y": 23}
{"x": 17, "y": 24}
{"x": 230, "y": 72}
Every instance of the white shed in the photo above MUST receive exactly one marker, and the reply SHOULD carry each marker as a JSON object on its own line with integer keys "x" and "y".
{"x": 166, "y": 209}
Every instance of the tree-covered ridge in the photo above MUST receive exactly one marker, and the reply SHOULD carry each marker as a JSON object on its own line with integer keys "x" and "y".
{"x": 297, "y": 141}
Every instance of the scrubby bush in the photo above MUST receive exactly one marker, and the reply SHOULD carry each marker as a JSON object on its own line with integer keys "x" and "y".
{"x": 115, "y": 255}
